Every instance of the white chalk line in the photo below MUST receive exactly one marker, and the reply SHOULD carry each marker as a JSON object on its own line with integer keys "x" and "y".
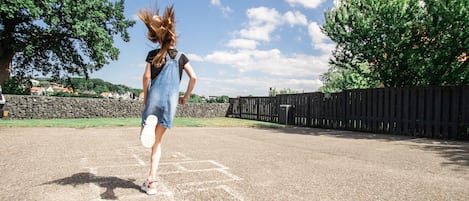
{"x": 183, "y": 159}
{"x": 93, "y": 173}
{"x": 174, "y": 163}
{"x": 84, "y": 163}
{"x": 232, "y": 192}
{"x": 199, "y": 161}
{"x": 169, "y": 194}
{"x": 134, "y": 155}
{"x": 200, "y": 183}
{"x": 180, "y": 167}
{"x": 226, "y": 188}
{"x": 232, "y": 176}
{"x": 182, "y": 170}
{"x": 140, "y": 161}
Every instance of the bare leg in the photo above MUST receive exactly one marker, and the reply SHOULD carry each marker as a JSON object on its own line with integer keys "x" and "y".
{"x": 156, "y": 154}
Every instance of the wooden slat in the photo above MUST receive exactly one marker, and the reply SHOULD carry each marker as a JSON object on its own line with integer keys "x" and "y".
{"x": 369, "y": 110}
{"x": 413, "y": 110}
{"x": 399, "y": 120}
{"x": 421, "y": 112}
{"x": 465, "y": 113}
{"x": 405, "y": 112}
{"x": 392, "y": 110}
{"x": 374, "y": 110}
{"x": 429, "y": 104}
{"x": 386, "y": 116}
{"x": 445, "y": 109}
{"x": 454, "y": 111}
{"x": 437, "y": 113}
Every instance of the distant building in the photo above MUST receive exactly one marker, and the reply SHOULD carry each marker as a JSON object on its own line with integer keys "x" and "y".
{"x": 62, "y": 89}
{"x": 34, "y": 82}
{"x": 106, "y": 94}
{"x": 49, "y": 90}
{"x": 39, "y": 91}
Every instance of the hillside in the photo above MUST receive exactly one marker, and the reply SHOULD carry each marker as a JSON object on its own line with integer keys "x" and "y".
{"x": 97, "y": 85}
{"x": 92, "y": 87}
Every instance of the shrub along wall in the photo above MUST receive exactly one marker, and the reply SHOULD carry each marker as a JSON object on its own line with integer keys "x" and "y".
{"x": 48, "y": 107}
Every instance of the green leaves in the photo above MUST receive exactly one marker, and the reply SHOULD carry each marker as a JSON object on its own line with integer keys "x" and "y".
{"x": 62, "y": 37}
{"x": 404, "y": 42}
{"x": 19, "y": 9}
{"x": 339, "y": 79}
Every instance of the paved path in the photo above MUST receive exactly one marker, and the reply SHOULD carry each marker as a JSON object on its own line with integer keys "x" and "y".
{"x": 230, "y": 164}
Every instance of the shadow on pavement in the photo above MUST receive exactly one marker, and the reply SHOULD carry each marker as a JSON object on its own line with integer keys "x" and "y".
{"x": 110, "y": 183}
{"x": 457, "y": 152}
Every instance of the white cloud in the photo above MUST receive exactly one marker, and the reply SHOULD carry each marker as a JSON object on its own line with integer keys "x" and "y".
{"x": 262, "y": 15}
{"x": 226, "y": 10}
{"x": 136, "y": 18}
{"x": 271, "y": 62}
{"x": 306, "y": 3}
{"x": 263, "y": 21}
{"x": 319, "y": 39}
{"x": 194, "y": 57}
{"x": 336, "y": 3}
{"x": 246, "y": 70}
{"x": 315, "y": 32}
{"x": 142, "y": 65}
{"x": 215, "y": 2}
{"x": 295, "y": 18}
{"x": 242, "y": 44}
{"x": 257, "y": 86}
{"x": 261, "y": 33}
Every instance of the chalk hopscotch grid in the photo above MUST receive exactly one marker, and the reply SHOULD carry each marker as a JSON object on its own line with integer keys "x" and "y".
{"x": 181, "y": 169}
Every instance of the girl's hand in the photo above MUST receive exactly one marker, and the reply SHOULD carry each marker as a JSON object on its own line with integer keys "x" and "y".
{"x": 182, "y": 100}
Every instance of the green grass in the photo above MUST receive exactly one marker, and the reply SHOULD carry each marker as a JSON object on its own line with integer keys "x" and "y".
{"x": 124, "y": 122}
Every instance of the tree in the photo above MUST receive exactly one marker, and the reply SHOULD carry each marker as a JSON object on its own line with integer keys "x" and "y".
{"x": 59, "y": 37}
{"x": 16, "y": 86}
{"x": 274, "y": 91}
{"x": 193, "y": 98}
{"x": 405, "y": 42}
{"x": 219, "y": 99}
{"x": 339, "y": 79}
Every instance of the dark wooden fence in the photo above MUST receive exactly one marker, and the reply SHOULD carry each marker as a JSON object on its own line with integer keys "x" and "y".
{"x": 431, "y": 112}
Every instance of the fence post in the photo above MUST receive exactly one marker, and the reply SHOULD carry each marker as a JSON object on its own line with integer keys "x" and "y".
{"x": 344, "y": 110}
{"x": 257, "y": 108}
{"x": 308, "y": 107}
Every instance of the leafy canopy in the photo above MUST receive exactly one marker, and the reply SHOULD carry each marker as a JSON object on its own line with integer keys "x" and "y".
{"x": 339, "y": 79}
{"x": 60, "y": 37}
{"x": 404, "y": 42}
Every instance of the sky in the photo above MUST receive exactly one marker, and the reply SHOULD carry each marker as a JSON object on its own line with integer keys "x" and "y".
{"x": 236, "y": 48}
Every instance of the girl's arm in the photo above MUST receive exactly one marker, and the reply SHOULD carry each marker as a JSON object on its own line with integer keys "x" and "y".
{"x": 190, "y": 86}
{"x": 146, "y": 82}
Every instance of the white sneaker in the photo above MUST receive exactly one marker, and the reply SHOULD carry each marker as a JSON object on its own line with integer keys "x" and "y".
{"x": 149, "y": 191}
{"x": 147, "y": 137}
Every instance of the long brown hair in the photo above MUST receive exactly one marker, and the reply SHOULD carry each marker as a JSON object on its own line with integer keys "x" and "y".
{"x": 160, "y": 30}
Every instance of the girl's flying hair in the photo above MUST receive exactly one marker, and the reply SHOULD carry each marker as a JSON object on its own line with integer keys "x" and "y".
{"x": 161, "y": 29}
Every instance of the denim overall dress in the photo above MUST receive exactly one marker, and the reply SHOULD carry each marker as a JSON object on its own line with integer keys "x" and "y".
{"x": 163, "y": 93}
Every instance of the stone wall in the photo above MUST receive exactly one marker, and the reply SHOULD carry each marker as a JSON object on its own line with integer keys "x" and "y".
{"x": 48, "y": 107}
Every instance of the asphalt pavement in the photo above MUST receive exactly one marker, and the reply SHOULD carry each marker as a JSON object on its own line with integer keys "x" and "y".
{"x": 239, "y": 164}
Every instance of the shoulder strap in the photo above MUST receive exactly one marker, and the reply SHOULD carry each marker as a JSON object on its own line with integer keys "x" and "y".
{"x": 178, "y": 55}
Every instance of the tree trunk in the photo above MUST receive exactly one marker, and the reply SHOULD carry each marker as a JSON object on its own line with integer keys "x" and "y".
{"x": 5, "y": 66}
{"x": 6, "y": 50}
